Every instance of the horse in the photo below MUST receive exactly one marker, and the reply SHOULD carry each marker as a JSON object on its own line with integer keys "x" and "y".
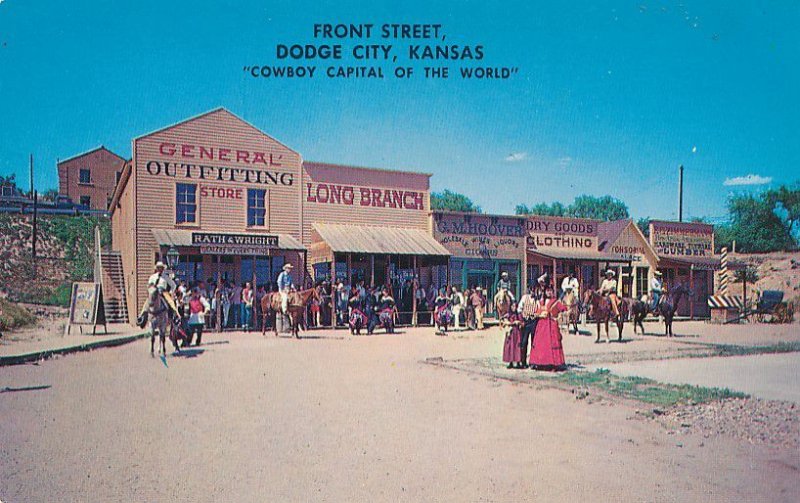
{"x": 502, "y": 303}
{"x": 267, "y": 312}
{"x": 158, "y": 312}
{"x": 573, "y": 312}
{"x": 602, "y": 312}
{"x": 298, "y": 302}
{"x": 638, "y": 309}
{"x": 669, "y": 305}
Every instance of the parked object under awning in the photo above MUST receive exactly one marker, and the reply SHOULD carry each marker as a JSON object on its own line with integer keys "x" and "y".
{"x": 377, "y": 240}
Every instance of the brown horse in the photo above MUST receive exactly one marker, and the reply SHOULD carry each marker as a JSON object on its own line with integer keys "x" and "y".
{"x": 298, "y": 302}
{"x": 502, "y": 303}
{"x": 669, "y": 305}
{"x": 600, "y": 309}
{"x": 573, "y": 313}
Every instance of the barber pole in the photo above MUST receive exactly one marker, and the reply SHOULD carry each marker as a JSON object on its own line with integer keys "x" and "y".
{"x": 723, "y": 274}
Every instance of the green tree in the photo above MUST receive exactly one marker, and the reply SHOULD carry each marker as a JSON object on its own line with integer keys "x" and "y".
{"x": 555, "y": 209}
{"x": 755, "y": 225}
{"x": 644, "y": 225}
{"x": 599, "y": 208}
{"x": 453, "y": 201}
{"x": 785, "y": 202}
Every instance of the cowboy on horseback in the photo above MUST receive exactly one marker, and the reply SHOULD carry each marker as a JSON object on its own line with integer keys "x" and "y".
{"x": 570, "y": 285}
{"x": 285, "y": 285}
{"x": 609, "y": 289}
{"x": 158, "y": 280}
{"x": 656, "y": 289}
{"x": 504, "y": 289}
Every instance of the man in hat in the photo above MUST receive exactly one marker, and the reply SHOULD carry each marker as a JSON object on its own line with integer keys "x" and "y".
{"x": 478, "y": 303}
{"x": 609, "y": 289}
{"x": 159, "y": 279}
{"x": 570, "y": 284}
{"x": 285, "y": 285}
{"x": 505, "y": 284}
{"x": 656, "y": 289}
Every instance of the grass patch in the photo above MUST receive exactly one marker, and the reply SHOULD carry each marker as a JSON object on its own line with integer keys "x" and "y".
{"x": 643, "y": 389}
{"x": 14, "y": 316}
{"x": 59, "y": 296}
{"x": 779, "y": 347}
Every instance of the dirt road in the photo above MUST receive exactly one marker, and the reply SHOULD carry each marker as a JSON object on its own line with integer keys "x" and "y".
{"x": 337, "y": 418}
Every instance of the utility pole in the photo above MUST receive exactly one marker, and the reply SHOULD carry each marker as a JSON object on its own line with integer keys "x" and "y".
{"x": 680, "y": 194}
{"x": 35, "y": 197}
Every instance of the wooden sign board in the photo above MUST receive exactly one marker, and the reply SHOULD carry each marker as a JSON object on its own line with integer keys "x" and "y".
{"x": 86, "y": 306}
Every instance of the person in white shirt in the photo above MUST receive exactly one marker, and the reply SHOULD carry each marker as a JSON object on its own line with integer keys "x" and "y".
{"x": 609, "y": 288}
{"x": 656, "y": 289}
{"x": 570, "y": 284}
{"x": 159, "y": 279}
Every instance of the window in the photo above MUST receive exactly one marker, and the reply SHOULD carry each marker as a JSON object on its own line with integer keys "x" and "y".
{"x": 256, "y": 207}
{"x": 108, "y": 202}
{"x": 642, "y": 286}
{"x": 117, "y": 176}
{"x": 85, "y": 176}
{"x": 86, "y": 201}
{"x": 186, "y": 203}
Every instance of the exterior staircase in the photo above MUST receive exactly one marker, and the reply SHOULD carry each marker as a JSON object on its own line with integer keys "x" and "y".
{"x": 116, "y": 305}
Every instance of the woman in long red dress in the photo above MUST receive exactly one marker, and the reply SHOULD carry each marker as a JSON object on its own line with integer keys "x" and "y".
{"x": 513, "y": 352}
{"x": 547, "y": 352}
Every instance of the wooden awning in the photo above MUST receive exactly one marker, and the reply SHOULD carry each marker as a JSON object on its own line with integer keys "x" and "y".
{"x": 342, "y": 238}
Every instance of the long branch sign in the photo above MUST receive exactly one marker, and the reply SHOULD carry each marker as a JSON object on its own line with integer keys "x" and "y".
{"x": 234, "y": 244}
{"x": 680, "y": 239}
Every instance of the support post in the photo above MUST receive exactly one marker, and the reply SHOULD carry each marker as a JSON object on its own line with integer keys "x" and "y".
{"x": 691, "y": 287}
{"x": 350, "y": 269}
{"x": 372, "y": 270}
{"x": 333, "y": 289}
{"x": 414, "y": 281}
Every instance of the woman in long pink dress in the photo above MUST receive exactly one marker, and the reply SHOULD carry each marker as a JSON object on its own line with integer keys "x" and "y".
{"x": 513, "y": 353}
{"x": 547, "y": 352}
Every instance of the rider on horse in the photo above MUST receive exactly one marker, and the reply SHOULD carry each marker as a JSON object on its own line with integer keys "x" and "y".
{"x": 656, "y": 289}
{"x": 285, "y": 285}
{"x": 504, "y": 288}
{"x": 570, "y": 285}
{"x": 609, "y": 289}
{"x": 160, "y": 280}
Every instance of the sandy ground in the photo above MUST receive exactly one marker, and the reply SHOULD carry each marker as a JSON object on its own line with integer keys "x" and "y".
{"x": 336, "y": 418}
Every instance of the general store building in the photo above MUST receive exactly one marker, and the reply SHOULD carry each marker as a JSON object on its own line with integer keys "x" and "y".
{"x": 237, "y": 204}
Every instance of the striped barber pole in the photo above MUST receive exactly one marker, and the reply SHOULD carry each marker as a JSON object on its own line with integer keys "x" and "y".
{"x": 723, "y": 274}
{"x": 725, "y": 301}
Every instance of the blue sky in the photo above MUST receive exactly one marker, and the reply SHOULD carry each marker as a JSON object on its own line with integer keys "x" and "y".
{"x": 610, "y": 96}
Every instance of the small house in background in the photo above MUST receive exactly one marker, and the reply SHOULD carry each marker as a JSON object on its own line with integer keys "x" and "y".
{"x": 89, "y": 179}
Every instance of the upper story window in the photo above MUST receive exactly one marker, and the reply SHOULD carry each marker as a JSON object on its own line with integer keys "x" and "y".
{"x": 85, "y": 176}
{"x": 117, "y": 176}
{"x": 185, "y": 203}
{"x": 256, "y": 207}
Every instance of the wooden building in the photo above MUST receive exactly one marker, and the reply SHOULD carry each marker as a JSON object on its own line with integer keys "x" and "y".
{"x": 482, "y": 247}
{"x": 89, "y": 179}
{"x": 237, "y": 204}
{"x": 686, "y": 256}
